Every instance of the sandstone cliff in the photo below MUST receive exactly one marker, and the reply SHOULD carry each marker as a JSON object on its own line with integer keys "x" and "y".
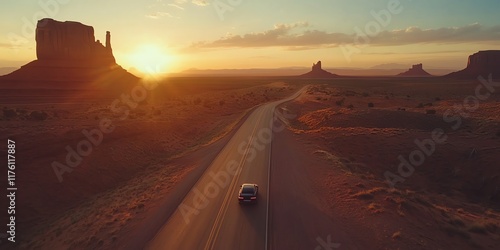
{"x": 67, "y": 51}
{"x": 482, "y": 63}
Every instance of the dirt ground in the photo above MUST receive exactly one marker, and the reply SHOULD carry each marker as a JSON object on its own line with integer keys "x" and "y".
{"x": 114, "y": 183}
{"x": 362, "y": 143}
{"x": 369, "y": 154}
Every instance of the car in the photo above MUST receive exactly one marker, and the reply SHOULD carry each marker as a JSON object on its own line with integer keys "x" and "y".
{"x": 248, "y": 193}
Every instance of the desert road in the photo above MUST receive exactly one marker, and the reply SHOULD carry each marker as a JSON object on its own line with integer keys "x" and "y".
{"x": 210, "y": 217}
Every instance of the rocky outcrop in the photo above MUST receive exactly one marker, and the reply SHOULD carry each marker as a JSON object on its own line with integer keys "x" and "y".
{"x": 67, "y": 51}
{"x": 71, "y": 41}
{"x": 482, "y": 63}
{"x": 318, "y": 72}
{"x": 416, "y": 70}
{"x": 316, "y": 66}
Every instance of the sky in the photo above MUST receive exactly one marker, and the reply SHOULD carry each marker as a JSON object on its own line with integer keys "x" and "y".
{"x": 175, "y": 35}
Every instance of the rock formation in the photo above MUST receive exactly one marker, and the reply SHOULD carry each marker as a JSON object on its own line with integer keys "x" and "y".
{"x": 482, "y": 63}
{"x": 67, "y": 51}
{"x": 317, "y": 66}
{"x": 416, "y": 70}
{"x": 70, "y": 41}
{"x": 318, "y": 72}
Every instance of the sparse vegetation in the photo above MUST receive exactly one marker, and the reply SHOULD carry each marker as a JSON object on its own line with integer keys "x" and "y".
{"x": 197, "y": 101}
{"x": 170, "y": 125}
{"x": 9, "y": 113}
{"x": 340, "y": 132}
{"x": 340, "y": 102}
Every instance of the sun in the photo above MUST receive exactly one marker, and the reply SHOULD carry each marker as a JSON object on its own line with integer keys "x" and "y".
{"x": 151, "y": 59}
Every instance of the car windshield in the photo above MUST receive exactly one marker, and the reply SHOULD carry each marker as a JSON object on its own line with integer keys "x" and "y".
{"x": 247, "y": 190}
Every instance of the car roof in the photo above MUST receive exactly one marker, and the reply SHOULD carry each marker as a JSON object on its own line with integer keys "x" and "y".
{"x": 248, "y": 185}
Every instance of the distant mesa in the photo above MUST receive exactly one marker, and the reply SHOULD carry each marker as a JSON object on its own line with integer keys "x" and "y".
{"x": 416, "y": 70}
{"x": 482, "y": 63}
{"x": 68, "y": 51}
{"x": 318, "y": 72}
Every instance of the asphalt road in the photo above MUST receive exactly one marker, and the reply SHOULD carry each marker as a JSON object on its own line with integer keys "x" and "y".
{"x": 210, "y": 216}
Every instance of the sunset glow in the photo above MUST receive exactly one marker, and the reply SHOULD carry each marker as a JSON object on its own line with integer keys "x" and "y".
{"x": 151, "y": 59}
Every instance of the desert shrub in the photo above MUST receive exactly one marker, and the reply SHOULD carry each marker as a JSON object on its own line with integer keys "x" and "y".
{"x": 371, "y": 105}
{"x": 430, "y": 112}
{"x": 38, "y": 115}
{"x": 9, "y": 113}
{"x": 140, "y": 113}
{"x": 21, "y": 111}
{"x": 420, "y": 105}
{"x": 438, "y": 99}
{"x": 350, "y": 106}
{"x": 365, "y": 94}
{"x": 207, "y": 104}
{"x": 350, "y": 93}
{"x": 197, "y": 101}
{"x": 340, "y": 102}
{"x": 456, "y": 221}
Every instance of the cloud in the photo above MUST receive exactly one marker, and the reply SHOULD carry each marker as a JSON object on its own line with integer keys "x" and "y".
{"x": 158, "y": 14}
{"x": 173, "y": 9}
{"x": 411, "y": 35}
{"x": 6, "y": 45}
{"x": 176, "y": 6}
{"x": 419, "y": 53}
{"x": 200, "y": 2}
{"x": 298, "y": 37}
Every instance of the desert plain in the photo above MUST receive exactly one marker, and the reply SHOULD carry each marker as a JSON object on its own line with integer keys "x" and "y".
{"x": 337, "y": 173}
